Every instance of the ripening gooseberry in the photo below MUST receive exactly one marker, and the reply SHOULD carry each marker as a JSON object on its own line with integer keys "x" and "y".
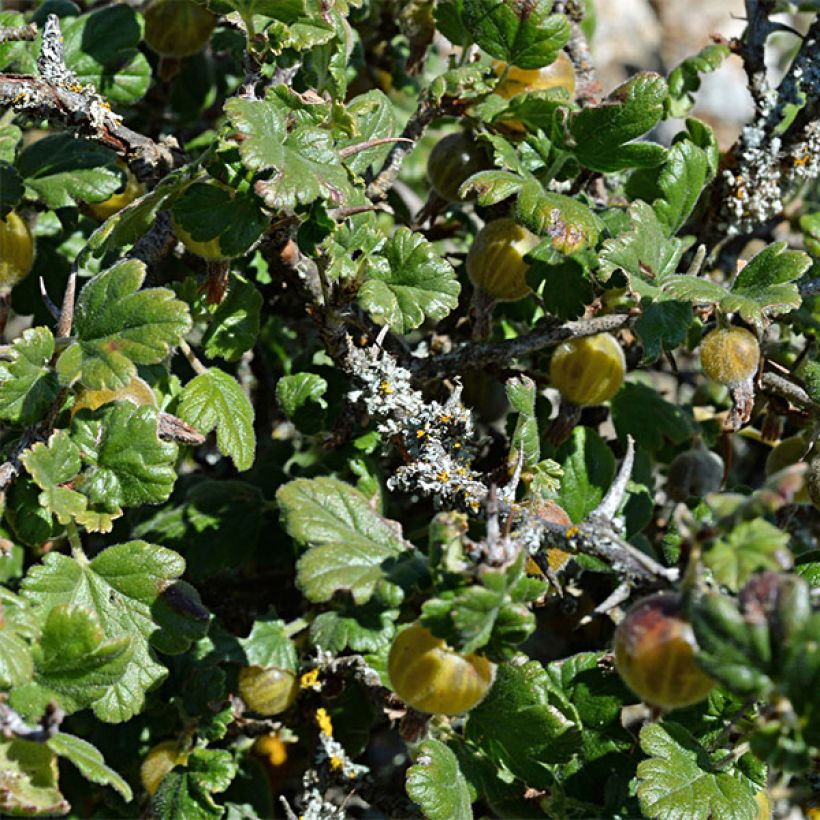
{"x": 267, "y": 690}
{"x": 729, "y": 355}
{"x": 177, "y": 28}
{"x": 559, "y": 74}
{"x": 454, "y": 159}
{"x": 16, "y": 250}
{"x": 429, "y": 676}
{"x": 588, "y": 371}
{"x": 495, "y": 263}
{"x": 655, "y": 654}
{"x": 117, "y": 201}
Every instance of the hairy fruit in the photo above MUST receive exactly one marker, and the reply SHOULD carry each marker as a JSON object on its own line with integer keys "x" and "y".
{"x": 117, "y": 201}
{"x": 655, "y": 654}
{"x": 177, "y": 28}
{"x": 588, "y": 371}
{"x": 495, "y": 263}
{"x": 453, "y": 160}
{"x": 429, "y": 676}
{"x": 729, "y": 355}
{"x": 158, "y": 762}
{"x": 267, "y": 690}
{"x": 16, "y": 250}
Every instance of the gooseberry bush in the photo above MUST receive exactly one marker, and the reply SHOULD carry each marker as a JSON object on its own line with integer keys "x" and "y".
{"x": 393, "y": 427}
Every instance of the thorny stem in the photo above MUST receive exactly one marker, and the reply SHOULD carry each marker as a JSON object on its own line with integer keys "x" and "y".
{"x": 413, "y": 131}
{"x": 606, "y": 510}
{"x": 471, "y": 356}
{"x": 66, "y": 320}
{"x": 9, "y": 34}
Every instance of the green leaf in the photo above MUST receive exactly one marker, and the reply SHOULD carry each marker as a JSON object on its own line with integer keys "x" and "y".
{"x": 216, "y": 527}
{"x": 491, "y": 615}
{"x": 187, "y": 792}
{"x": 566, "y": 291}
{"x": 235, "y": 323}
{"x": 681, "y": 181}
{"x": 305, "y": 163}
{"x": 11, "y": 186}
{"x": 295, "y": 391}
{"x": 269, "y": 645}
{"x": 525, "y": 724}
{"x": 695, "y": 290}
{"x": 118, "y": 325}
{"x": 16, "y": 628}
{"x": 130, "y": 589}
{"x": 10, "y": 135}
{"x": 765, "y": 285}
{"x": 811, "y": 376}
{"x": 361, "y": 629}
{"x": 74, "y": 663}
{"x": 491, "y": 187}
{"x": 63, "y": 170}
{"x": 101, "y": 48}
{"x": 663, "y": 326}
{"x": 89, "y": 761}
{"x": 645, "y": 254}
{"x": 521, "y": 394}
{"x": 51, "y": 465}
{"x": 126, "y": 455}
{"x": 749, "y": 547}
{"x": 449, "y": 16}
{"x": 567, "y": 222}
{"x": 374, "y": 118}
{"x": 207, "y": 211}
{"x": 408, "y": 283}
{"x": 349, "y": 543}
{"x": 640, "y": 411}
{"x": 28, "y": 386}
{"x": 215, "y": 401}
{"x": 588, "y": 469}
{"x": 684, "y": 79}
{"x": 28, "y": 780}
{"x": 435, "y": 783}
{"x": 522, "y": 33}
{"x": 603, "y": 133}
{"x": 679, "y": 780}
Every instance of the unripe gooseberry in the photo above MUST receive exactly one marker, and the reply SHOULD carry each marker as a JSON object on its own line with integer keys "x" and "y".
{"x": 429, "y": 676}
{"x": 694, "y": 474}
{"x": 16, "y": 250}
{"x": 209, "y": 249}
{"x": 589, "y": 370}
{"x": 160, "y": 760}
{"x": 729, "y": 355}
{"x": 495, "y": 263}
{"x": 117, "y": 201}
{"x": 267, "y": 690}
{"x": 454, "y": 159}
{"x": 177, "y": 28}
{"x": 790, "y": 451}
{"x": 655, "y": 654}
{"x": 136, "y": 391}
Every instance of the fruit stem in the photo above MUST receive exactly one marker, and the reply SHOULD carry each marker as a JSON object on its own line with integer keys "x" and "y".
{"x": 189, "y": 354}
